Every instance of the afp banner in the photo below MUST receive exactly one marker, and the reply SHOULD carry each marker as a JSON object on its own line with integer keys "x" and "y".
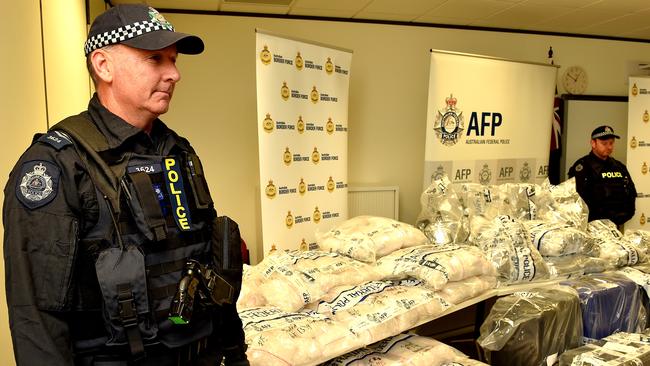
{"x": 488, "y": 120}
{"x": 302, "y": 117}
{"x": 638, "y": 148}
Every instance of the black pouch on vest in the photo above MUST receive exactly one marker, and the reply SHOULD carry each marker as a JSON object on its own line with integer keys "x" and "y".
{"x": 117, "y": 269}
{"x": 144, "y": 206}
{"x": 198, "y": 183}
{"x": 226, "y": 251}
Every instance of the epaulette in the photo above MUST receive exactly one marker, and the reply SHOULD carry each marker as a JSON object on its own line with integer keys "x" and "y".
{"x": 57, "y": 139}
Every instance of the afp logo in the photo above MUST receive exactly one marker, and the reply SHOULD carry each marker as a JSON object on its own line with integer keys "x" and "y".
{"x": 449, "y": 123}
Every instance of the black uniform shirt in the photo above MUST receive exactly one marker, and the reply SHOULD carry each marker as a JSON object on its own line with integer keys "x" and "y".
{"x": 50, "y": 202}
{"x": 606, "y": 187}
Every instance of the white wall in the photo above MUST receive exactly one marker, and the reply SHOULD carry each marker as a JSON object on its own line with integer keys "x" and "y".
{"x": 215, "y": 103}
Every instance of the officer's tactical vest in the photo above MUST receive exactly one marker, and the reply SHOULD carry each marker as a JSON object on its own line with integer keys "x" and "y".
{"x": 156, "y": 214}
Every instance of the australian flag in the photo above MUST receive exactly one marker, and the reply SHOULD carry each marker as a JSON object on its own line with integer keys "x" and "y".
{"x": 556, "y": 141}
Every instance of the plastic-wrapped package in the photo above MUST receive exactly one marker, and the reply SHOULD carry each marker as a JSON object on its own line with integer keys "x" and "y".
{"x": 554, "y": 240}
{"x": 404, "y": 350}
{"x": 522, "y": 197}
{"x": 575, "y": 265}
{"x": 622, "y": 349}
{"x": 290, "y": 280}
{"x": 562, "y": 204}
{"x": 604, "y": 228}
{"x": 435, "y": 266}
{"x": 457, "y": 292}
{"x": 506, "y": 244}
{"x": 642, "y": 279}
{"x": 275, "y": 337}
{"x": 379, "y": 309}
{"x": 610, "y": 303}
{"x": 442, "y": 217}
{"x": 619, "y": 252}
{"x": 368, "y": 238}
{"x": 640, "y": 239}
{"x": 485, "y": 201}
{"x": 567, "y": 357}
{"x": 527, "y": 327}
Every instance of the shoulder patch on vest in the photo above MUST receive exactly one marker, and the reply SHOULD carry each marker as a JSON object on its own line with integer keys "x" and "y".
{"x": 57, "y": 139}
{"x": 38, "y": 183}
{"x": 579, "y": 167}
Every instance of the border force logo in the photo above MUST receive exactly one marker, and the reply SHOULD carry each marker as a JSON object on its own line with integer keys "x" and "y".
{"x": 449, "y": 123}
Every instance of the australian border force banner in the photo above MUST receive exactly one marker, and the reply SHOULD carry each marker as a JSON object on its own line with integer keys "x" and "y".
{"x": 638, "y": 149}
{"x": 488, "y": 119}
{"x": 302, "y": 114}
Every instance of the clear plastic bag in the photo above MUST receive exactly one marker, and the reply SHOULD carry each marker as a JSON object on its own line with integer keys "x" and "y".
{"x": 442, "y": 217}
{"x": 435, "y": 266}
{"x": 554, "y": 240}
{"x": 610, "y": 303}
{"x": 457, "y": 292}
{"x": 275, "y": 337}
{"x": 575, "y": 265}
{"x": 368, "y": 238}
{"x": 562, "y": 204}
{"x": 507, "y": 246}
{"x": 390, "y": 311}
{"x": 290, "y": 280}
{"x": 485, "y": 201}
{"x": 405, "y": 350}
{"x": 526, "y": 327}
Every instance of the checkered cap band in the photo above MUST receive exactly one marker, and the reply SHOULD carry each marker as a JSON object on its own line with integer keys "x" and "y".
{"x": 602, "y": 134}
{"x": 124, "y": 33}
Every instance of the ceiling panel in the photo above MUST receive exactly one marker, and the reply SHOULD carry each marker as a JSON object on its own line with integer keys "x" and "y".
{"x": 417, "y": 7}
{"x": 343, "y": 5}
{"x": 624, "y": 24}
{"x": 254, "y": 8}
{"x": 618, "y": 18}
{"x": 627, "y": 6}
{"x": 563, "y": 3}
{"x": 468, "y": 9}
{"x": 523, "y": 16}
{"x": 575, "y": 21}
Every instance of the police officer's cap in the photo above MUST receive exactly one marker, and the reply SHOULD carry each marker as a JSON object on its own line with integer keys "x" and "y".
{"x": 139, "y": 26}
{"x": 604, "y": 133}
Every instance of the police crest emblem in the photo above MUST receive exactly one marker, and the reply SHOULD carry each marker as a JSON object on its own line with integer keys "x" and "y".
{"x": 449, "y": 123}
{"x": 38, "y": 184}
{"x": 438, "y": 174}
{"x": 524, "y": 173}
{"x": 485, "y": 175}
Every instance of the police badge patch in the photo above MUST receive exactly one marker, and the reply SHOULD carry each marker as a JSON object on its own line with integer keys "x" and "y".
{"x": 449, "y": 124}
{"x": 39, "y": 183}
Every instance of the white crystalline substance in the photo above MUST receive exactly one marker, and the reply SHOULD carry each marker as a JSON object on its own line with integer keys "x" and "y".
{"x": 554, "y": 240}
{"x": 275, "y": 337}
{"x": 406, "y": 350}
{"x": 435, "y": 266}
{"x": 290, "y": 280}
{"x": 368, "y": 238}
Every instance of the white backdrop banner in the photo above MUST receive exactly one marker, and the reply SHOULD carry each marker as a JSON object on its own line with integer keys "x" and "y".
{"x": 638, "y": 149}
{"x": 302, "y": 114}
{"x": 488, "y": 119}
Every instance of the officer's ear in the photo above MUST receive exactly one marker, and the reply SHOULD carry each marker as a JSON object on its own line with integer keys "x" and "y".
{"x": 593, "y": 144}
{"x": 102, "y": 63}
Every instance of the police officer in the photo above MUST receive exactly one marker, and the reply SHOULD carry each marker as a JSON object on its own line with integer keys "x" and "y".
{"x": 604, "y": 182}
{"x": 104, "y": 213}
